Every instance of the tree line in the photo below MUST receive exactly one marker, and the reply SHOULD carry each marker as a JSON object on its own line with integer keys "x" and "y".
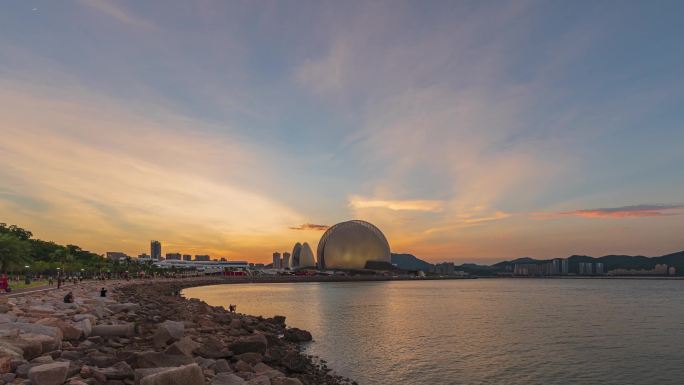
{"x": 21, "y": 252}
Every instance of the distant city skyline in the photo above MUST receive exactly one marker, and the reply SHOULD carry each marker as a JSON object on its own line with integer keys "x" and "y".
{"x": 466, "y": 131}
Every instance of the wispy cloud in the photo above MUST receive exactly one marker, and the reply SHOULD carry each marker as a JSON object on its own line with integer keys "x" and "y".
{"x": 635, "y": 211}
{"x": 357, "y": 202}
{"x": 310, "y": 226}
{"x": 114, "y": 10}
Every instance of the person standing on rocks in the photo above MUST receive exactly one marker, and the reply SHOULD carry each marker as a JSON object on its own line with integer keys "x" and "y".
{"x": 103, "y": 292}
{"x": 4, "y": 284}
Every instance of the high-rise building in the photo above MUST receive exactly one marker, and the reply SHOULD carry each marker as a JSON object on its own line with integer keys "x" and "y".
{"x": 586, "y": 268}
{"x": 276, "y": 260}
{"x": 600, "y": 268}
{"x": 565, "y": 266}
{"x": 556, "y": 266}
{"x": 203, "y": 258}
{"x": 187, "y": 257}
{"x": 173, "y": 256}
{"x": 286, "y": 260}
{"x": 155, "y": 250}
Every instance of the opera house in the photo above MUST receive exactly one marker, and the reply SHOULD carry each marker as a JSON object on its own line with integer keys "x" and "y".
{"x": 302, "y": 256}
{"x": 352, "y": 245}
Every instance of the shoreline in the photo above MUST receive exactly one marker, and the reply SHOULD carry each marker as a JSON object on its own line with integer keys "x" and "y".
{"x": 145, "y": 333}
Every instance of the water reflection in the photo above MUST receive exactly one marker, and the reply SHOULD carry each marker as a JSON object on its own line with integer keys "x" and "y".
{"x": 482, "y": 331}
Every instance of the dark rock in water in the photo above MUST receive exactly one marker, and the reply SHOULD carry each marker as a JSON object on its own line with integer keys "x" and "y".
{"x": 297, "y": 335}
{"x": 253, "y": 343}
{"x": 277, "y": 320}
{"x": 296, "y": 363}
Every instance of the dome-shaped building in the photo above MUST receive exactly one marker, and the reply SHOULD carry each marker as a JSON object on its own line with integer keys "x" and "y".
{"x": 296, "y": 251}
{"x": 350, "y": 245}
{"x": 306, "y": 257}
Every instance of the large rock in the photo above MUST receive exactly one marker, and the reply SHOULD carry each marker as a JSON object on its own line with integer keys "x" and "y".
{"x": 184, "y": 346}
{"x": 69, "y": 331}
{"x": 184, "y": 375}
{"x": 5, "y": 364}
{"x": 285, "y": 381}
{"x": 168, "y": 331}
{"x": 259, "y": 380}
{"x": 120, "y": 307}
{"x": 85, "y": 327}
{"x": 122, "y": 330}
{"x": 213, "y": 348}
{"x": 139, "y": 374}
{"x": 24, "y": 327}
{"x": 227, "y": 379}
{"x": 119, "y": 371}
{"x": 10, "y": 348}
{"x": 297, "y": 335}
{"x": 152, "y": 359}
{"x": 5, "y": 318}
{"x": 253, "y": 343}
{"x": 49, "y": 374}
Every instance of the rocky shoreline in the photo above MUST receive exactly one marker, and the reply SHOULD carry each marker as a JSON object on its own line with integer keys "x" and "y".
{"x": 145, "y": 333}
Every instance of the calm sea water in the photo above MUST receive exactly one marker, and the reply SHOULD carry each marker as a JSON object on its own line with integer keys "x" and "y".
{"x": 486, "y": 331}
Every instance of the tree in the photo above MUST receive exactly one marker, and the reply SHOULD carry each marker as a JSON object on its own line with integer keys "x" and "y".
{"x": 14, "y": 252}
{"x": 15, "y": 230}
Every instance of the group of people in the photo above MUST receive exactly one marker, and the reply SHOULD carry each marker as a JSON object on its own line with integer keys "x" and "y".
{"x": 69, "y": 297}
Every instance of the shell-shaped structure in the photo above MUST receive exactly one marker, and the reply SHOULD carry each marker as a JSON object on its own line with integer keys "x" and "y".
{"x": 296, "y": 251}
{"x": 306, "y": 257}
{"x": 349, "y": 245}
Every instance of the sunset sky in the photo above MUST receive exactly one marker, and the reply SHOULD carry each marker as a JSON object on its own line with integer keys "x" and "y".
{"x": 467, "y": 131}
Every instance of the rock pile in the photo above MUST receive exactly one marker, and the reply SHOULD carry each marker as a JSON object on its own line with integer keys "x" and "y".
{"x": 146, "y": 335}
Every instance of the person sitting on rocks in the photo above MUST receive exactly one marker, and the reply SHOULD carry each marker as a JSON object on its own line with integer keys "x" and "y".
{"x": 69, "y": 298}
{"x": 232, "y": 308}
{"x": 103, "y": 292}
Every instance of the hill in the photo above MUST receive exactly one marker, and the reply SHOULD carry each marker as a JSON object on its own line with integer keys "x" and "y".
{"x": 411, "y": 262}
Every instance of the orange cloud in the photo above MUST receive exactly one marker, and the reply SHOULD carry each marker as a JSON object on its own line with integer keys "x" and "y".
{"x": 310, "y": 226}
{"x": 396, "y": 205}
{"x": 636, "y": 211}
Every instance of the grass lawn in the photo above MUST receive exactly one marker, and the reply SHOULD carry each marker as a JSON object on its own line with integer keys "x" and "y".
{"x": 22, "y": 285}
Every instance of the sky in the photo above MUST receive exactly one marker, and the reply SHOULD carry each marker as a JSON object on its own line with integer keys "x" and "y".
{"x": 467, "y": 131}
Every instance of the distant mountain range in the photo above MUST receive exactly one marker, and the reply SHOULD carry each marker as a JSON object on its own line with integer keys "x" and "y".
{"x": 411, "y": 262}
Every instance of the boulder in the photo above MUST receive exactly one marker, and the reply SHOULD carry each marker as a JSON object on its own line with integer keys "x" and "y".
{"x": 69, "y": 331}
{"x": 85, "y": 327}
{"x": 222, "y": 366}
{"x": 184, "y": 346}
{"x": 6, "y": 318}
{"x": 297, "y": 335}
{"x": 168, "y": 331}
{"x": 151, "y": 359}
{"x": 49, "y": 374}
{"x": 121, "y": 330}
{"x": 253, "y": 343}
{"x": 184, "y": 375}
{"x": 119, "y": 371}
{"x": 259, "y": 380}
{"x": 9, "y": 347}
{"x": 285, "y": 381}
{"x": 139, "y": 374}
{"x": 251, "y": 358}
{"x": 227, "y": 379}
{"x": 121, "y": 307}
{"x": 24, "y": 327}
{"x": 213, "y": 348}
{"x": 5, "y": 364}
